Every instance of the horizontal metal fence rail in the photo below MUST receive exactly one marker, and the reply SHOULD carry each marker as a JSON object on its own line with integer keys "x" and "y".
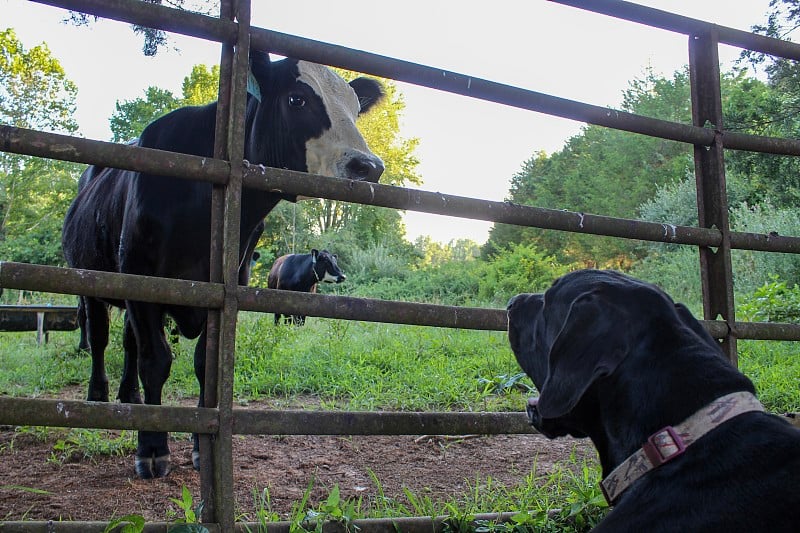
{"x": 55, "y": 146}
{"x": 210, "y": 295}
{"x": 113, "y": 285}
{"x": 106, "y": 415}
{"x": 110, "y": 415}
{"x": 506, "y": 212}
{"x": 419, "y": 524}
{"x": 159, "y": 17}
{"x": 107, "y": 154}
{"x": 665, "y": 20}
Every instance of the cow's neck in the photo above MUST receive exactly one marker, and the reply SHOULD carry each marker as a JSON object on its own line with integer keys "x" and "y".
{"x": 260, "y": 149}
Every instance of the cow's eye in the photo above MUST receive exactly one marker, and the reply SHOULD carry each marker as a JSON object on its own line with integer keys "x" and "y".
{"x": 295, "y": 100}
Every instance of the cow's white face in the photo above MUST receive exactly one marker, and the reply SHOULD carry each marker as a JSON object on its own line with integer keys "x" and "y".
{"x": 340, "y": 151}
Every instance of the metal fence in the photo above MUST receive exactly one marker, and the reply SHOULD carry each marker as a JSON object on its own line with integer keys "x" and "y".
{"x": 219, "y": 421}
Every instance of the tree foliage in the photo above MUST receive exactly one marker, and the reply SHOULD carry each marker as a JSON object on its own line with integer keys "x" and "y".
{"x": 609, "y": 172}
{"x": 131, "y": 116}
{"x": 34, "y": 193}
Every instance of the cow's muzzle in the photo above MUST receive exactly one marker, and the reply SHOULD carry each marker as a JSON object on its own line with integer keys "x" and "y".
{"x": 534, "y": 418}
{"x": 364, "y": 167}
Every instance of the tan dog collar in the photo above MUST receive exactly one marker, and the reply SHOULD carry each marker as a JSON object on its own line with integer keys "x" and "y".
{"x": 667, "y": 444}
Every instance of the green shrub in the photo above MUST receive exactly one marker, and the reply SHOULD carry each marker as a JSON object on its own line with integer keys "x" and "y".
{"x": 518, "y": 268}
{"x": 772, "y": 302}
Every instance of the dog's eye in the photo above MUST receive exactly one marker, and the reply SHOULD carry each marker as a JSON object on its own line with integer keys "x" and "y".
{"x": 295, "y": 100}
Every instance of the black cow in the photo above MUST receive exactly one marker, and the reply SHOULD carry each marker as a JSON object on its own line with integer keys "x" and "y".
{"x": 301, "y": 117}
{"x": 302, "y": 272}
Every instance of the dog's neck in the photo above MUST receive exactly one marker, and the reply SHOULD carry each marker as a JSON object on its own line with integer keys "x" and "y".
{"x": 632, "y": 413}
{"x": 671, "y": 442}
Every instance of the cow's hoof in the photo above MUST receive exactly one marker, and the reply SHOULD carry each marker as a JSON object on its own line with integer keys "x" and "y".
{"x": 196, "y": 459}
{"x": 134, "y": 397}
{"x": 98, "y": 393}
{"x": 150, "y": 467}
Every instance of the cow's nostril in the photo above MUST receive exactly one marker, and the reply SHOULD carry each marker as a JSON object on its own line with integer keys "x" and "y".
{"x": 363, "y": 168}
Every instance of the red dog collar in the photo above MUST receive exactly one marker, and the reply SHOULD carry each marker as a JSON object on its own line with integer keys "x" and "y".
{"x": 668, "y": 443}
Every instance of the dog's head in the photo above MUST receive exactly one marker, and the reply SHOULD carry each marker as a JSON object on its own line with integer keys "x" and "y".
{"x": 579, "y": 332}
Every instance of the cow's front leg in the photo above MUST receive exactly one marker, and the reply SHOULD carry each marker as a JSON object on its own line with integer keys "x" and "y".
{"x": 96, "y": 324}
{"x": 200, "y": 372}
{"x": 129, "y": 384}
{"x": 155, "y": 361}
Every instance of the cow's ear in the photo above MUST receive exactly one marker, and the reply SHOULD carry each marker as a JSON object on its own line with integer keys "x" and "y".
{"x": 260, "y": 67}
{"x": 589, "y": 346}
{"x": 369, "y": 92}
{"x": 314, "y": 254}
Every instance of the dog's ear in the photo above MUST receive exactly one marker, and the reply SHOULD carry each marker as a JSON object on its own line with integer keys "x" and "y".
{"x": 591, "y": 344}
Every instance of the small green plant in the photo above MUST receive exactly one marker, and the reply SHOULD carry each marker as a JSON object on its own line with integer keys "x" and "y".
{"x": 335, "y": 509}
{"x": 521, "y": 522}
{"x": 131, "y": 523}
{"x": 189, "y": 523}
{"x": 505, "y": 383}
{"x": 263, "y": 508}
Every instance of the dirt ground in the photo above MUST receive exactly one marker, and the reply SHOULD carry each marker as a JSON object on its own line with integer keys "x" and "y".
{"x": 35, "y": 488}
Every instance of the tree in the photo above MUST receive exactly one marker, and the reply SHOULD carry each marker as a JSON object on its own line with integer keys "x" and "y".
{"x": 131, "y": 116}
{"x": 201, "y": 86}
{"x": 34, "y": 193}
{"x": 610, "y": 172}
{"x": 775, "y": 111}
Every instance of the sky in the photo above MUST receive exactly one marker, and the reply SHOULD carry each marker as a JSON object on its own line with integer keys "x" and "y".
{"x": 467, "y": 147}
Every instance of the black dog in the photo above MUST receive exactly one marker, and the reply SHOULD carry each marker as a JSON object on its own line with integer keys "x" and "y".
{"x": 683, "y": 443}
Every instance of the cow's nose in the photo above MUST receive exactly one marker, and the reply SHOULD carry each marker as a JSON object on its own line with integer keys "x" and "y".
{"x": 341, "y": 278}
{"x": 532, "y": 411}
{"x": 366, "y": 168}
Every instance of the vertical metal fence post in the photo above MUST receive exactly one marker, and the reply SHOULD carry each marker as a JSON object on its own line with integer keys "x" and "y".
{"x": 223, "y": 444}
{"x": 712, "y": 200}
{"x": 210, "y": 399}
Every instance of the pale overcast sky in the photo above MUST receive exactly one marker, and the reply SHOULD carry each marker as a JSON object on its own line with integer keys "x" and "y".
{"x": 468, "y": 147}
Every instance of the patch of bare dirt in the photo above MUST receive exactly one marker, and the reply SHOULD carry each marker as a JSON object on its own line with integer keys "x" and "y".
{"x": 33, "y": 488}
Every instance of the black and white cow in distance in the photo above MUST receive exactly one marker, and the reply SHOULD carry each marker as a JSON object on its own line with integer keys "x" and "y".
{"x": 303, "y": 119}
{"x": 302, "y": 272}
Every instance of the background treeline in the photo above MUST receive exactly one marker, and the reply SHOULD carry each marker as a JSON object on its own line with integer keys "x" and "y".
{"x": 599, "y": 171}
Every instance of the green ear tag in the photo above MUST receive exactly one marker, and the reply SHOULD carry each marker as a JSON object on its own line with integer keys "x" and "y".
{"x": 252, "y": 86}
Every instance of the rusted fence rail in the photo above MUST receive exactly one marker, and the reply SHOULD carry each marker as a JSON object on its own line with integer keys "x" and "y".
{"x": 228, "y": 172}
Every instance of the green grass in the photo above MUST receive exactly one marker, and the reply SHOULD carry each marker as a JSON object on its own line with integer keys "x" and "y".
{"x": 567, "y": 499}
{"x": 774, "y": 368}
{"x": 332, "y": 364}
{"x": 362, "y": 366}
